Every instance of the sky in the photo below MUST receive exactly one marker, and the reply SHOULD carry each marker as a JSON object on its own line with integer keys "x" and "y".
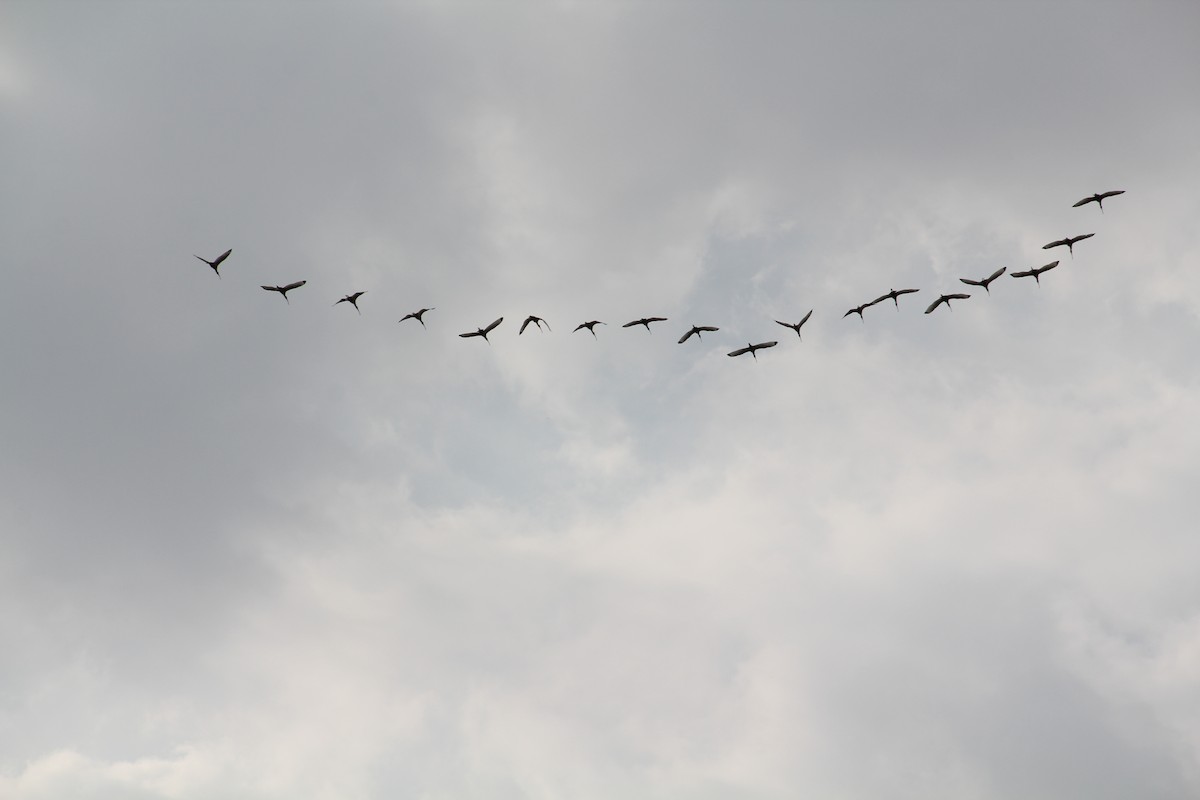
{"x": 263, "y": 549}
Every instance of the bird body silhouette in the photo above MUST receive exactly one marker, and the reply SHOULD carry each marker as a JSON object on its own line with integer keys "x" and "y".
{"x": 946, "y": 298}
{"x": 1099, "y": 199}
{"x": 352, "y": 299}
{"x": 417, "y": 315}
{"x": 591, "y": 326}
{"x": 1036, "y": 273}
{"x": 216, "y": 263}
{"x": 696, "y": 330}
{"x": 538, "y": 321}
{"x": 483, "y": 331}
{"x": 283, "y": 290}
{"x": 985, "y": 281}
{"x": 796, "y": 326}
{"x": 751, "y": 349}
{"x": 1070, "y": 242}
{"x": 892, "y": 295}
{"x": 644, "y": 321}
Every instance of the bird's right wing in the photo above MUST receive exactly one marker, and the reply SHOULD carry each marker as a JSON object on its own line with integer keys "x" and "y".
{"x": 1055, "y": 243}
{"x": 806, "y": 316}
{"x": 686, "y": 336}
{"x": 1084, "y": 202}
{"x": 469, "y": 335}
{"x": 1024, "y": 274}
{"x": 295, "y": 285}
{"x": 1113, "y": 193}
{"x": 739, "y": 352}
{"x": 524, "y": 325}
{"x": 970, "y": 282}
{"x": 631, "y": 324}
{"x": 273, "y": 288}
{"x": 996, "y": 274}
{"x": 763, "y": 345}
{"x": 935, "y": 304}
{"x": 492, "y": 327}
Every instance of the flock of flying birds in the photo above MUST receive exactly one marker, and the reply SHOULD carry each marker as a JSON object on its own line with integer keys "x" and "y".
{"x": 696, "y": 330}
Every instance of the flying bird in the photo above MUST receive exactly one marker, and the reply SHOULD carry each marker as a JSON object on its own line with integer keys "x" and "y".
{"x": 892, "y": 295}
{"x": 796, "y": 326}
{"x": 1036, "y": 272}
{"x": 283, "y": 290}
{"x": 859, "y": 309}
{"x": 591, "y": 326}
{"x": 352, "y": 299}
{"x": 644, "y": 321}
{"x": 483, "y": 331}
{"x": 752, "y": 348}
{"x": 946, "y": 298}
{"x": 1099, "y": 199}
{"x": 696, "y": 330}
{"x": 417, "y": 315}
{"x": 216, "y": 263}
{"x": 984, "y": 283}
{"x": 535, "y": 320}
{"x": 1070, "y": 242}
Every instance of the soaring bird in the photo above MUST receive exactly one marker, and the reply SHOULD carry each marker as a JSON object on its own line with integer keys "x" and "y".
{"x": 352, "y": 299}
{"x": 1070, "y": 242}
{"x": 892, "y": 295}
{"x": 1099, "y": 199}
{"x": 644, "y": 321}
{"x": 417, "y": 315}
{"x": 216, "y": 263}
{"x": 859, "y": 309}
{"x": 283, "y": 290}
{"x": 946, "y": 298}
{"x": 591, "y": 326}
{"x": 483, "y": 331}
{"x": 796, "y": 326}
{"x": 1036, "y": 272}
{"x": 535, "y": 320}
{"x": 751, "y": 348}
{"x": 984, "y": 283}
{"x": 696, "y": 330}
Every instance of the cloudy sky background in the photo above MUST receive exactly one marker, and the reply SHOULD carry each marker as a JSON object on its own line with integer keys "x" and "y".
{"x": 259, "y": 550}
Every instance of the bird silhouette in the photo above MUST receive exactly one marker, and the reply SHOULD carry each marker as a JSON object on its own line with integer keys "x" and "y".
{"x": 859, "y": 309}
{"x": 696, "y": 330}
{"x": 352, "y": 299}
{"x": 417, "y": 315}
{"x": 892, "y": 295}
{"x": 483, "y": 331}
{"x": 536, "y": 321}
{"x": 984, "y": 283}
{"x": 283, "y": 290}
{"x": 796, "y": 326}
{"x": 216, "y": 263}
{"x": 751, "y": 349}
{"x": 946, "y": 298}
{"x": 591, "y": 326}
{"x": 1070, "y": 242}
{"x": 1099, "y": 199}
{"x": 1036, "y": 272}
{"x": 644, "y": 321}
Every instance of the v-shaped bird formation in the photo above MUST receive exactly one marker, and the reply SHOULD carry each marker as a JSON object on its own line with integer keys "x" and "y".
{"x": 697, "y": 330}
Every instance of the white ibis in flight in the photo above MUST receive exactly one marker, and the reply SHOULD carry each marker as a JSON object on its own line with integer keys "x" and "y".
{"x": 1036, "y": 272}
{"x": 751, "y": 349}
{"x": 946, "y": 298}
{"x": 417, "y": 315}
{"x": 591, "y": 326}
{"x": 1070, "y": 242}
{"x": 696, "y": 330}
{"x": 538, "y": 321}
{"x": 984, "y": 281}
{"x": 1099, "y": 199}
{"x": 796, "y": 326}
{"x": 283, "y": 290}
{"x": 892, "y": 295}
{"x": 216, "y": 263}
{"x": 644, "y": 321}
{"x": 352, "y": 299}
{"x": 483, "y": 331}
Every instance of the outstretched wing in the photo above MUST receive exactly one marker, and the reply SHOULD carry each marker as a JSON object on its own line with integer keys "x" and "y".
{"x": 1055, "y": 243}
{"x": 1103, "y": 195}
{"x": 1074, "y": 240}
{"x": 739, "y": 352}
{"x": 1046, "y": 268}
{"x": 764, "y": 345}
{"x": 524, "y": 325}
{"x": 492, "y": 327}
{"x": 970, "y": 282}
{"x": 935, "y": 304}
{"x": 291, "y": 286}
{"x": 806, "y": 316}
{"x": 1023, "y": 274}
{"x": 1084, "y": 202}
{"x": 635, "y": 322}
{"x": 222, "y": 257}
{"x": 656, "y": 319}
{"x": 469, "y": 335}
{"x": 996, "y": 274}
{"x": 273, "y": 288}
{"x": 958, "y": 296}
{"x": 686, "y": 336}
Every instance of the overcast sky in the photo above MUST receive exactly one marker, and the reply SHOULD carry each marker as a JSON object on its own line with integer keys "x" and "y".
{"x": 265, "y": 550}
